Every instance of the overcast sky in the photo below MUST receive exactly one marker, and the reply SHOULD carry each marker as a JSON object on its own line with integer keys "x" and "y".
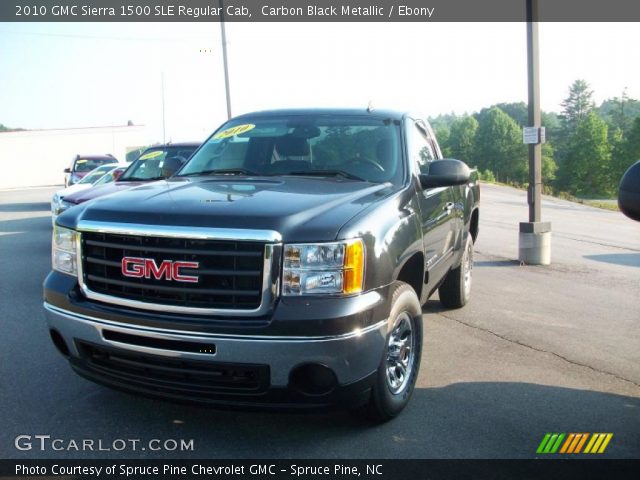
{"x": 83, "y": 74}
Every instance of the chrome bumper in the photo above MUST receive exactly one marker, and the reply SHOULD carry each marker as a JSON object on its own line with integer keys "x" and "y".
{"x": 351, "y": 356}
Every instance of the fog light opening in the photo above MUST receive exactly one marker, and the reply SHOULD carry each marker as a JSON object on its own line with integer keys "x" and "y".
{"x": 59, "y": 342}
{"x": 313, "y": 379}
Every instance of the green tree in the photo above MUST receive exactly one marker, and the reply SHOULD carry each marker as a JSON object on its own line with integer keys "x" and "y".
{"x": 549, "y": 166}
{"x": 617, "y": 146}
{"x": 586, "y": 168}
{"x": 462, "y": 138}
{"x": 619, "y": 112}
{"x": 499, "y": 147}
{"x": 577, "y": 105}
{"x": 4, "y": 128}
{"x": 520, "y": 113}
{"x": 516, "y": 110}
{"x": 443, "y": 135}
{"x": 626, "y": 153}
{"x": 442, "y": 120}
{"x": 551, "y": 123}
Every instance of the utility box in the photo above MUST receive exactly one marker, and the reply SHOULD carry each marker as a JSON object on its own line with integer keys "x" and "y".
{"x": 534, "y": 243}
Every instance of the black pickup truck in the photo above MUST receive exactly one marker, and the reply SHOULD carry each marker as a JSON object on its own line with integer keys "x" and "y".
{"x": 285, "y": 264}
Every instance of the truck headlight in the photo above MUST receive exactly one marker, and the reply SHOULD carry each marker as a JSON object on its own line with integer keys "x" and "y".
{"x": 64, "y": 249}
{"x": 336, "y": 268}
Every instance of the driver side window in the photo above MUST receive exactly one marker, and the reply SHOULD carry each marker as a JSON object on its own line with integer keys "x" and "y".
{"x": 420, "y": 149}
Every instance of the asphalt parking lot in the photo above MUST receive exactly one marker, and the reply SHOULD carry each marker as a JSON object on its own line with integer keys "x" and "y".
{"x": 538, "y": 349}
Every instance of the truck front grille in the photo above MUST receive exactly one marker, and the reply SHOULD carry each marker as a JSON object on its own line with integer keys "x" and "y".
{"x": 229, "y": 273}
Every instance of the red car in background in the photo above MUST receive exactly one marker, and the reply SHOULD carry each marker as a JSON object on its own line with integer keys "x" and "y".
{"x": 155, "y": 163}
{"x": 98, "y": 176}
{"x": 83, "y": 164}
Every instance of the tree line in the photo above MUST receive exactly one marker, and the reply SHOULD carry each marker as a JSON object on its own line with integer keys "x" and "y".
{"x": 587, "y": 148}
{"x": 4, "y": 128}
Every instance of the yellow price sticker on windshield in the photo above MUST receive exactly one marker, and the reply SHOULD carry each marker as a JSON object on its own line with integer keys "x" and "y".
{"x": 149, "y": 155}
{"x": 230, "y": 132}
{"x": 82, "y": 161}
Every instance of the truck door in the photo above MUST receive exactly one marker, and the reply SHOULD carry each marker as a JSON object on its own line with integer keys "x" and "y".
{"x": 457, "y": 195}
{"x": 436, "y": 204}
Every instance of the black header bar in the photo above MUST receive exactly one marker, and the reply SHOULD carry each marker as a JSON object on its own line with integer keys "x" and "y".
{"x": 378, "y": 469}
{"x": 315, "y": 10}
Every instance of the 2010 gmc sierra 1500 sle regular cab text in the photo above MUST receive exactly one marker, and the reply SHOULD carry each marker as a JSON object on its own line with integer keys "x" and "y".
{"x": 285, "y": 264}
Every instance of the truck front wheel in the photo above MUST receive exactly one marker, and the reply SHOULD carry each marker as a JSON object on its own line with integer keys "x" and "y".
{"x": 398, "y": 369}
{"x": 455, "y": 291}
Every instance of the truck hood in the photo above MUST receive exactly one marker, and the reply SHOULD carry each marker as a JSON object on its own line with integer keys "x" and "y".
{"x": 299, "y": 208}
{"x": 100, "y": 191}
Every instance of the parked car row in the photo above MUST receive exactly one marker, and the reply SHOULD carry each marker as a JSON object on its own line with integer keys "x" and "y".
{"x": 98, "y": 176}
{"x": 155, "y": 163}
{"x": 83, "y": 164}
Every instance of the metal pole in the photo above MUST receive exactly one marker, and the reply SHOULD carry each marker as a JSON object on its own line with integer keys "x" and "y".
{"x": 535, "y": 150}
{"x": 225, "y": 61}
{"x": 535, "y": 235}
{"x": 163, "y": 122}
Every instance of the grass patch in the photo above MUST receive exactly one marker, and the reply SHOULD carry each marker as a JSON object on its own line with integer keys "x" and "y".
{"x": 613, "y": 206}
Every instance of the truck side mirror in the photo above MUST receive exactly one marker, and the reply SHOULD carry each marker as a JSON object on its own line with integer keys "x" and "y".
{"x": 629, "y": 192}
{"x": 67, "y": 170}
{"x": 445, "y": 173}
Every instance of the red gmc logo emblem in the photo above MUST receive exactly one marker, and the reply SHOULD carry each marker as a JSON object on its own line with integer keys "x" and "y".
{"x": 147, "y": 267}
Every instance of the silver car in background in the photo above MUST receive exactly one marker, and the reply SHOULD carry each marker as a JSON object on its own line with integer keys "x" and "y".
{"x": 98, "y": 176}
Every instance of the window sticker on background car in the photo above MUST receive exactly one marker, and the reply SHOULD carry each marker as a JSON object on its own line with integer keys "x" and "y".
{"x": 150, "y": 155}
{"x": 237, "y": 130}
{"x": 82, "y": 161}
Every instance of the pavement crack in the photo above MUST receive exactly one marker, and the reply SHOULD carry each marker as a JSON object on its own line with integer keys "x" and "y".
{"x": 566, "y": 236}
{"x": 593, "y": 242}
{"x": 541, "y": 350}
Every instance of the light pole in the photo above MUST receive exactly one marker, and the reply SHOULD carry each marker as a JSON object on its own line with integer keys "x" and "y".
{"x": 534, "y": 240}
{"x": 163, "y": 121}
{"x": 224, "y": 60}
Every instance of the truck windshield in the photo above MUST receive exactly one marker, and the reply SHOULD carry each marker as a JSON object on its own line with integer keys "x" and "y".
{"x": 110, "y": 176}
{"x": 95, "y": 174}
{"x": 157, "y": 163}
{"x": 358, "y": 148}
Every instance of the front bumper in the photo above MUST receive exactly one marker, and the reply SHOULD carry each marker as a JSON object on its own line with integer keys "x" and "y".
{"x": 139, "y": 353}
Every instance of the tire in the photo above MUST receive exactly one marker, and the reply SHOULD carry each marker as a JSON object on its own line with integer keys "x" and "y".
{"x": 392, "y": 390}
{"x": 455, "y": 291}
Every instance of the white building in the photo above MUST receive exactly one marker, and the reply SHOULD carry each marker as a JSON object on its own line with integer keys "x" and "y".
{"x": 32, "y": 158}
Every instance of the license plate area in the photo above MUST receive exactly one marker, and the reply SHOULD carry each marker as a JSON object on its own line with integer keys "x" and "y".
{"x": 159, "y": 343}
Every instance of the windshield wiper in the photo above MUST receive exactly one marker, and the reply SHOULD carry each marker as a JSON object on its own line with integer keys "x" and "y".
{"x": 327, "y": 173}
{"x": 222, "y": 171}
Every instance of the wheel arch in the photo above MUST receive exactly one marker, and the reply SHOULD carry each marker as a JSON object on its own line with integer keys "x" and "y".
{"x": 474, "y": 224}
{"x": 411, "y": 272}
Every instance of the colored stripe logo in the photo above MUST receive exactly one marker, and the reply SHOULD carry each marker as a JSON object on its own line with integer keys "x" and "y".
{"x": 574, "y": 443}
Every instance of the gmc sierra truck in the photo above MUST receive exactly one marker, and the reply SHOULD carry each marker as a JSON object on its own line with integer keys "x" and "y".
{"x": 285, "y": 264}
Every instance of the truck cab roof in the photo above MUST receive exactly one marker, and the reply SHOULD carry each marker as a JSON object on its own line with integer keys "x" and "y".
{"x": 392, "y": 114}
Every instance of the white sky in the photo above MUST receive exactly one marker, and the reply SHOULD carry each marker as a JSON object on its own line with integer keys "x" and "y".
{"x": 84, "y": 74}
